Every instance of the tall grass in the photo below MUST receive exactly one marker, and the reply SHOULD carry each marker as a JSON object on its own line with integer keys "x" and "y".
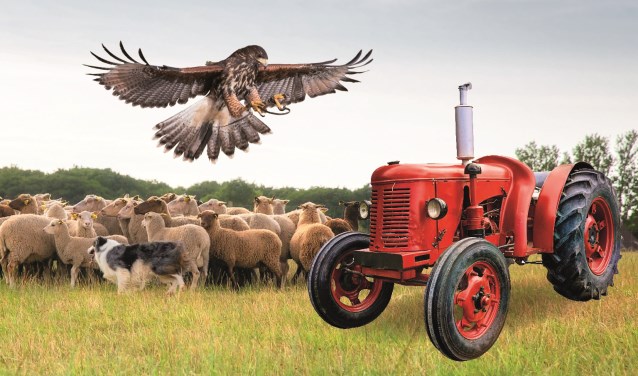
{"x": 52, "y": 329}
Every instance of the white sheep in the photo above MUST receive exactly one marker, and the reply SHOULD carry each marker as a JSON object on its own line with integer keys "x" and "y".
{"x": 130, "y": 223}
{"x": 264, "y": 205}
{"x": 196, "y": 242}
{"x": 246, "y": 249}
{"x": 71, "y": 249}
{"x": 95, "y": 203}
{"x": 310, "y": 236}
{"x": 220, "y": 207}
{"x": 183, "y": 205}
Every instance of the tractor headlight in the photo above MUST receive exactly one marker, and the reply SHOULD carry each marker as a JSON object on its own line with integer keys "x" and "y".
{"x": 364, "y": 209}
{"x": 436, "y": 208}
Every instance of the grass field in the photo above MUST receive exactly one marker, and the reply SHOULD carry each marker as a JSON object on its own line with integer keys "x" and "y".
{"x": 260, "y": 330}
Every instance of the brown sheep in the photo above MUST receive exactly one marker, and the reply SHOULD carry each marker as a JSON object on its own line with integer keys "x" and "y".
{"x": 95, "y": 203}
{"x": 245, "y": 249}
{"x": 25, "y": 204}
{"x": 310, "y": 236}
{"x": 338, "y": 225}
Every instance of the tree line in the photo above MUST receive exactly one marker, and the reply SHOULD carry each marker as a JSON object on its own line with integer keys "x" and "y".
{"x": 619, "y": 163}
{"x": 75, "y": 183}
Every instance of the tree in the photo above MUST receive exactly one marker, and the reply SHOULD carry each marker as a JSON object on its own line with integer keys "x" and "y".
{"x": 595, "y": 151}
{"x": 625, "y": 178}
{"x": 543, "y": 158}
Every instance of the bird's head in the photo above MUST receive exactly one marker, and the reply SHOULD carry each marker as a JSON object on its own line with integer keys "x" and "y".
{"x": 255, "y": 53}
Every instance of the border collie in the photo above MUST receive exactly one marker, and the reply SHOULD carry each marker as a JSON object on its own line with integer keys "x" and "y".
{"x": 132, "y": 265}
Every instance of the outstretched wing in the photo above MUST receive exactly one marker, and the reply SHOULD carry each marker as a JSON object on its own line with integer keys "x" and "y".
{"x": 151, "y": 85}
{"x": 297, "y": 80}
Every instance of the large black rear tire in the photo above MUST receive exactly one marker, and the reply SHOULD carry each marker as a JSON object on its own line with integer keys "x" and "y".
{"x": 338, "y": 292}
{"x": 586, "y": 238}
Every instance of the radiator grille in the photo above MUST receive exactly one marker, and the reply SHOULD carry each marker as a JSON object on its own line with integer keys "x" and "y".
{"x": 395, "y": 216}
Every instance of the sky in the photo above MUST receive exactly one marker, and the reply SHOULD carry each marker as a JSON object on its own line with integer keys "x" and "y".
{"x": 544, "y": 71}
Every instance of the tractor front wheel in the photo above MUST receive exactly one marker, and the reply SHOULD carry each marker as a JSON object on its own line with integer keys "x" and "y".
{"x": 339, "y": 292}
{"x": 586, "y": 238}
{"x": 466, "y": 299}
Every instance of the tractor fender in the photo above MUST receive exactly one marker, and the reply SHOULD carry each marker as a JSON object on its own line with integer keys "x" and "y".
{"x": 547, "y": 204}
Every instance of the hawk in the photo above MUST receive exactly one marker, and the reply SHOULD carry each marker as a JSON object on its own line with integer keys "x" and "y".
{"x": 233, "y": 89}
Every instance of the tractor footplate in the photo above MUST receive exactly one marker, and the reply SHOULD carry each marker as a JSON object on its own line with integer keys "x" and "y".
{"x": 392, "y": 260}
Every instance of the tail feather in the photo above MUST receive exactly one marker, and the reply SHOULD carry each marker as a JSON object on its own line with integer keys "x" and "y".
{"x": 206, "y": 125}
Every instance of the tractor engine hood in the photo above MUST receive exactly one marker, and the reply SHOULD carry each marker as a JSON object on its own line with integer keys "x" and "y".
{"x": 435, "y": 171}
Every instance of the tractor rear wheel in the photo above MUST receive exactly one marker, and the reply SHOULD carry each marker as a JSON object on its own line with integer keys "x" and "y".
{"x": 340, "y": 294}
{"x": 586, "y": 238}
{"x": 466, "y": 299}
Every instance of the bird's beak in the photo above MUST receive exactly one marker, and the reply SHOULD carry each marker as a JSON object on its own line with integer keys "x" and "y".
{"x": 263, "y": 61}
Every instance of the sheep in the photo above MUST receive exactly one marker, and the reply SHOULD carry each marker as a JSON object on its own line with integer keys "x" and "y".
{"x": 168, "y": 197}
{"x": 95, "y": 203}
{"x": 294, "y": 216}
{"x": 351, "y": 213}
{"x": 158, "y": 205}
{"x": 219, "y": 207}
{"x": 264, "y": 205}
{"x": 25, "y": 204}
{"x": 310, "y": 236}
{"x": 259, "y": 221}
{"x": 338, "y": 225}
{"x": 6, "y": 211}
{"x": 183, "y": 205}
{"x": 130, "y": 224}
{"x": 55, "y": 211}
{"x": 245, "y": 249}
{"x": 195, "y": 238}
{"x": 279, "y": 206}
{"x": 72, "y": 250}
{"x": 23, "y": 242}
{"x": 84, "y": 227}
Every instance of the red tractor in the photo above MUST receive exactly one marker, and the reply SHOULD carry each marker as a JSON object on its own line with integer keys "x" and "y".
{"x": 453, "y": 228}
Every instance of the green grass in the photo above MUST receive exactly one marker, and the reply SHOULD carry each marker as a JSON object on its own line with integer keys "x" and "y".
{"x": 51, "y": 329}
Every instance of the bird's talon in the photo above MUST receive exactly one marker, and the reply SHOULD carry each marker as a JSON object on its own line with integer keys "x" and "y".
{"x": 278, "y": 97}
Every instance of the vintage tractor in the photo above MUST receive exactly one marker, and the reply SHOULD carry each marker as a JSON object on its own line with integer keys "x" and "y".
{"x": 453, "y": 227}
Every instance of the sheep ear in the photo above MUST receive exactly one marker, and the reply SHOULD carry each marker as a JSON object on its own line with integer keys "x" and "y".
{"x": 136, "y": 197}
{"x": 94, "y": 215}
{"x": 221, "y": 202}
{"x": 286, "y": 201}
{"x": 272, "y": 199}
{"x": 164, "y": 214}
{"x": 74, "y": 215}
{"x": 199, "y": 215}
{"x": 323, "y": 209}
{"x": 126, "y": 196}
{"x": 27, "y": 201}
{"x": 187, "y": 198}
{"x": 60, "y": 221}
{"x": 99, "y": 198}
{"x": 215, "y": 215}
{"x": 257, "y": 199}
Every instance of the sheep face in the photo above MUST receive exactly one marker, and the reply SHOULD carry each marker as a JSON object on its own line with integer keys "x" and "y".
{"x": 153, "y": 204}
{"x": 150, "y": 218}
{"x": 208, "y": 218}
{"x": 85, "y": 219}
{"x": 168, "y": 197}
{"x": 183, "y": 204}
{"x": 128, "y": 210}
{"x": 21, "y": 201}
{"x": 90, "y": 203}
{"x": 54, "y": 226}
{"x": 263, "y": 205}
{"x": 114, "y": 207}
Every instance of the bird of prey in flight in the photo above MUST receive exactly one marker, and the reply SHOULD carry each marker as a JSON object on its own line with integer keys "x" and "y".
{"x": 233, "y": 89}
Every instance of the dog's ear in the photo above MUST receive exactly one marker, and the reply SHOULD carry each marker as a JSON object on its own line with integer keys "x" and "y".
{"x": 100, "y": 241}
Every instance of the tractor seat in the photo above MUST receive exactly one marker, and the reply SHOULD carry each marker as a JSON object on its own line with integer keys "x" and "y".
{"x": 540, "y": 178}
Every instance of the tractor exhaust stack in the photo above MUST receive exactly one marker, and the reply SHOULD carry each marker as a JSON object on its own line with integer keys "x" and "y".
{"x": 464, "y": 127}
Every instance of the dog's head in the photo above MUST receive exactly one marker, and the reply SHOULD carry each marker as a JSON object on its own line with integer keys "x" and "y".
{"x": 102, "y": 244}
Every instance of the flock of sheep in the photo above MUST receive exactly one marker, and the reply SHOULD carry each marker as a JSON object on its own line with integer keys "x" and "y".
{"x": 221, "y": 243}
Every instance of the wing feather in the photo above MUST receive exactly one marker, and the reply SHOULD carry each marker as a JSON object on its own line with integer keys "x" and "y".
{"x": 296, "y": 81}
{"x": 142, "y": 84}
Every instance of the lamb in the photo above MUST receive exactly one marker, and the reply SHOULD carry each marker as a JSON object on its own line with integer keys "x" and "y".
{"x": 84, "y": 227}
{"x": 22, "y": 241}
{"x": 246, "y": 249}
{"x": 219, "y": 207}
{"x": 310, "y": 236}
{"x": 264, "y": 205}
{"x": 73, "y": 250}
{"x": 95, "y": 203}
{"x": 196, "y": 242}
{"x": 183, "y": 205}
{"x": 25, "y": 204}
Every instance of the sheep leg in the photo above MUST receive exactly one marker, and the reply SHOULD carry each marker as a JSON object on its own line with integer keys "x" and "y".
{"x": 12, "y": 272}
{"x": 3, "y": 264}
{"x": 298, "y": 272}
{"x": 75, "y": 270}
{"x": 195, "y": 271}
{"x": 275, "y": 268}
{"x": 231, "y": 274}
{"x": 283, "y": 265}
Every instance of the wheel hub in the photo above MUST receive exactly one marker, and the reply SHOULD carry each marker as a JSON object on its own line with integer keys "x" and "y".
{"x": 478, "y": 298}
{"x": 350, "y": 289}
{"x": 599, "y": 230}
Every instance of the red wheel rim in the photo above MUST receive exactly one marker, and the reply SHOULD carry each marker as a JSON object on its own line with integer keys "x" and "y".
{"x": 477, "y": 300}
{"x": 350, "y": 289}
{"x": 599, "y": 236}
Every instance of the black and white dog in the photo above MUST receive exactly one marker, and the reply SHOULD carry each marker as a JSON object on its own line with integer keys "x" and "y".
{"x": 132, "y": 265}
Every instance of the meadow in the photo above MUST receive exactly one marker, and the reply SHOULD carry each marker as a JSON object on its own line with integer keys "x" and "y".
{"x": 49, "y": 328}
